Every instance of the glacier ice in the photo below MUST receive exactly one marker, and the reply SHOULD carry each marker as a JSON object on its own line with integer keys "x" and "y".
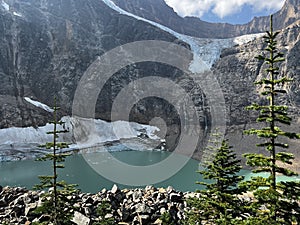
{"x": 80, "y": 135}
{"x": 206, "y": 51}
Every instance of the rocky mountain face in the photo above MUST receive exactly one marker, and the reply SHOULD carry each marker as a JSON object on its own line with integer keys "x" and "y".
{"x": 160, "y": 12}
{"x": 237, "y": 70}
{"x": 47, "y": 45}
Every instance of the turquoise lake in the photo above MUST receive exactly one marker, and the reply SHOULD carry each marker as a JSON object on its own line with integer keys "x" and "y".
{"x": 78, "y": 171}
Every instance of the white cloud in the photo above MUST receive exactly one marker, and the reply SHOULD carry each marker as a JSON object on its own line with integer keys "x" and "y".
{"x": 221, "y": 8}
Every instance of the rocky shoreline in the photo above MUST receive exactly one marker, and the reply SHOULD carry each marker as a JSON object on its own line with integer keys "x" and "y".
{"x": 128, "y": 206}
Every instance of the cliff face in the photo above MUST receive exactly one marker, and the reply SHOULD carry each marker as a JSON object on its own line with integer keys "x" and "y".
{"x": 160, "y": 12}
{"x": 45, "y": 47}
{"x": 237, "y": 70}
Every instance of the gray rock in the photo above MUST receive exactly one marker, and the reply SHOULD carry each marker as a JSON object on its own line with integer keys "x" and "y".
{"x": 142, "y": 208}
{"x": 29, "y": 207}
{"x": 80, "y": 219}
{"x": 115, "y": 189}
{"x": 137, "y": 195}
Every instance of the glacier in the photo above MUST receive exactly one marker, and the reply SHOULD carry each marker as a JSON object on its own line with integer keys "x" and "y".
{"x": 206, "y": 51}
{"x": 22, "y": 143}
{"x": 105, "y": 131}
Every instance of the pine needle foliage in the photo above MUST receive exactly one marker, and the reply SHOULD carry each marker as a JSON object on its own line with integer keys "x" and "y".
{"x": 218, "y": 202}
{"x": 58, "y": 201}
{"x": 276, "y": 201}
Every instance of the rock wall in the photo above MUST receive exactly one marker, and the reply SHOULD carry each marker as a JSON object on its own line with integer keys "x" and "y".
{"x": 237, "y": 70}
{"x": 46, "y": 49}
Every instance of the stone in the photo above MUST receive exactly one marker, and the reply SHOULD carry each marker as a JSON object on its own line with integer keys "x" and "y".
{"x": 136, "y": 196}
{"x": 162, "y": 211}
{"x": 80, "y": 219}
{"x": 158, "y": 222}
{"x": 162, "y": 190}
{"x": 108, "y": 216}
{"x": 142, "y": 208}
{"x": 87, "y": 211}
{"x": 114, "y": 189}
{"x": 175, "y": 197}
{"x": 29, "y": 207}
{"x": 144, "y": 219}
{"x": 3, "y": 202}
{"x": 170, "y": 189}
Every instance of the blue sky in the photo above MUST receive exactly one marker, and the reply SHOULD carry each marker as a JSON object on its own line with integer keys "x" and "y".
{"x": 230, "y": 11}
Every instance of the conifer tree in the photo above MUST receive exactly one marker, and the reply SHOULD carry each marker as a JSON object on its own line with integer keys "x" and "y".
{"x": 219, "y": 202}
{"x": 276, "y": 202}
{"x": 56, "y": 203}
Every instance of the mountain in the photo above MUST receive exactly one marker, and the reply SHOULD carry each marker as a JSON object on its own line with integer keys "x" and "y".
{"x": 47, "y": 45}
{"x": 237, "y": 70}
{"x": 160, "y": 12}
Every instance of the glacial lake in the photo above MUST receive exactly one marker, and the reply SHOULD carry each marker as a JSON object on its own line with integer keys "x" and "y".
{"x": 25, "y": 173}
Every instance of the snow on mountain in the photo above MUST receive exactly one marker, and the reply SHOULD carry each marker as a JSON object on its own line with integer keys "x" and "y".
{"x": 39, "y": 104}
{"x": 4, "y": 5}
{"x": 206, "y": 51}
{"x": 17, "y": 14}
{"x": 7, "y": 8}
{"x": 246, "y": 38}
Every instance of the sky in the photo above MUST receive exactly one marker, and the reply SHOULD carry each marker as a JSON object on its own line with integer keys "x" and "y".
{"x": 230, "y": 11}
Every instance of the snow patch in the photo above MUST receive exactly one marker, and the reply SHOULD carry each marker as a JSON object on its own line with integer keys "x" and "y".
{"x": 247, "y": 38}
{"x": 5, "y": 5}
{"x": 17, "y": 14}
{"x": 39, "y": 104}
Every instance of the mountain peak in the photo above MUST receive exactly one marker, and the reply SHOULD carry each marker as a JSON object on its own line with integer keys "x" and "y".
{"x": 292, "y": 2}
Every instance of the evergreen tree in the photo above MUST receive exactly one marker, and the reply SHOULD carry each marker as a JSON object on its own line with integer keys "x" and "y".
{"x": 57, "y": 203}
{"x": 218, "y": 202}
{"x": 276, "y": 202}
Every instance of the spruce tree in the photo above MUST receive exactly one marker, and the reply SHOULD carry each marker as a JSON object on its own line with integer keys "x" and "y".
{"x": 56, "y": 203}
{"x": 218, "y": 202}
{"x": 276, "y": 203}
